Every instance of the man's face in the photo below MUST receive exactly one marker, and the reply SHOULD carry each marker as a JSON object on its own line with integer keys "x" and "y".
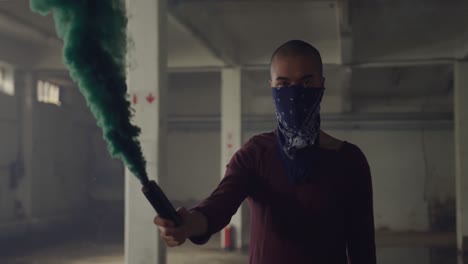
{"x": 292, "y": 70}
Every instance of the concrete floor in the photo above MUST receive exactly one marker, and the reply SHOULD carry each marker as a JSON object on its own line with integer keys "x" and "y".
{"x": 81, "y": 251}
{"x": 392, "y": 249}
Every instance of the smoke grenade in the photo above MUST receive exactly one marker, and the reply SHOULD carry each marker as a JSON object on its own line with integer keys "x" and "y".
{"x": 94, "y": 50}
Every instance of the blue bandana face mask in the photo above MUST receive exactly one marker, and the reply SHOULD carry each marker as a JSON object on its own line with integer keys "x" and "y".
{"x": 298, "y": 115}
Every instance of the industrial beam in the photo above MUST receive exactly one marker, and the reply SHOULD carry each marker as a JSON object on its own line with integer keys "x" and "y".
{"x": 266, "y": 67}
{"x": 344, "y": 31}
{"x": 345, "y": 39}
{"x": 18, "y": 53}
{"x": 22, "y": 43}
{"x": 346, "y": 121}
{"x": 209, "y": 32}
{"x": 49, "y": 58}
{"x": 13, "y": 25}
{"x": 464, "y": 46}
{"x": 404, "y": 63}
{"x": 461, "y": 152}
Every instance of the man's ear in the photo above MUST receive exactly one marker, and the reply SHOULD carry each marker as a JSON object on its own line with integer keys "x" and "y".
{"x": 269, "y": 81}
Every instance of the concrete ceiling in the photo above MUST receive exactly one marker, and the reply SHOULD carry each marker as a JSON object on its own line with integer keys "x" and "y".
{"x": 376, "y": 38}
{"x": 207, "y": 33}
{"x": 18, "y": 24}
{"x": 19, "y": 13}
{"x": 409, "y": 30}
{"x": 256, "y": 28}
{"x": 185, "y": 50}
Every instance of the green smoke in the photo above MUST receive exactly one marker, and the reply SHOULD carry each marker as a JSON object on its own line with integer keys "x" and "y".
{"x": 95, "y": 44}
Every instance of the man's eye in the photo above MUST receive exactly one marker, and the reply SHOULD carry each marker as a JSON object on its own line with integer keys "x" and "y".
{"x": 283, "y": 84}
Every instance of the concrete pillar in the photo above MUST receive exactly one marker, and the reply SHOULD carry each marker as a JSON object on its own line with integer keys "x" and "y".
{"x": 346, "y": 103}
{"x": 25, "y": 90}
{"x": 231, "y": 134}
{"x": 461, "y": 151}
{"x": 147, "y": 82}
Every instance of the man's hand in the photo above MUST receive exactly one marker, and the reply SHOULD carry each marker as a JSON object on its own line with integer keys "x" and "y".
{"x": 174, "y": 236}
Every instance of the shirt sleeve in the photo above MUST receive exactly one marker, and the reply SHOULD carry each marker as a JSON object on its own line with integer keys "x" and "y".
{"x": 359, "y": 222}
{"x": 224, "y": 201}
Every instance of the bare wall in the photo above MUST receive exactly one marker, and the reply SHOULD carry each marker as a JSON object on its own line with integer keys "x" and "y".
{"x": 70, "y": 161}
{"x": 412, "y": 168}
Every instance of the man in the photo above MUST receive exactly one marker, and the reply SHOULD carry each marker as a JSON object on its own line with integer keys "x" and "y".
{"x": 310, "y": 194}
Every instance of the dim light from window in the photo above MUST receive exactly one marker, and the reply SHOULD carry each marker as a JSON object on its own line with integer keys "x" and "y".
{"x": 48, "y": 93}
{"x": 6, "y": 81}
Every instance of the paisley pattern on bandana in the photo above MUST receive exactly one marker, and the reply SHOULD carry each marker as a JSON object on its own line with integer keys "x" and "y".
{"x": 298, "y": 115}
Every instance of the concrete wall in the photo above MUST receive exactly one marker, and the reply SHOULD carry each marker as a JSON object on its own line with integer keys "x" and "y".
{"x": 412, "y": 161}
{"x": 412, "y": 174}
{"x": 194, "y": 164}
{"x": 60, "y": 165}
{"x": 412, "y": 167}
{"x": 10, "y": 146}
{"x": 70, "y": 165}
{"x": 194, "y": 154}
{"x": 194, "y": 94}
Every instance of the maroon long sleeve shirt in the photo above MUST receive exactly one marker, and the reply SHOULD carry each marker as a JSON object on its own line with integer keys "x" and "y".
{"x": 315, "y": 223}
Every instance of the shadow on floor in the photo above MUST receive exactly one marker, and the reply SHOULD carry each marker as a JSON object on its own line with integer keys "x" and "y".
{"x": 86, "y": 246}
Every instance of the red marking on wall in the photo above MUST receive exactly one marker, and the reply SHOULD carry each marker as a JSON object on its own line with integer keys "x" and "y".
{"x": 135, "y": 99}
{"x": 229, "y": 145}
{"x": 150, "y": 98}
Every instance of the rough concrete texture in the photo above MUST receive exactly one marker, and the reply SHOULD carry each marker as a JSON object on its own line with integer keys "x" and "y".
{"x": 392, "y": 248}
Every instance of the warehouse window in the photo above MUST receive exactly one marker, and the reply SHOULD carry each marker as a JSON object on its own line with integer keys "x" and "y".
{"x": 6, "y": 81}
{"x": 48, "y": 93}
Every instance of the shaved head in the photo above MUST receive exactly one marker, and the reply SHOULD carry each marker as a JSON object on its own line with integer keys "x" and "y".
{"x": 298, "y": 48}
